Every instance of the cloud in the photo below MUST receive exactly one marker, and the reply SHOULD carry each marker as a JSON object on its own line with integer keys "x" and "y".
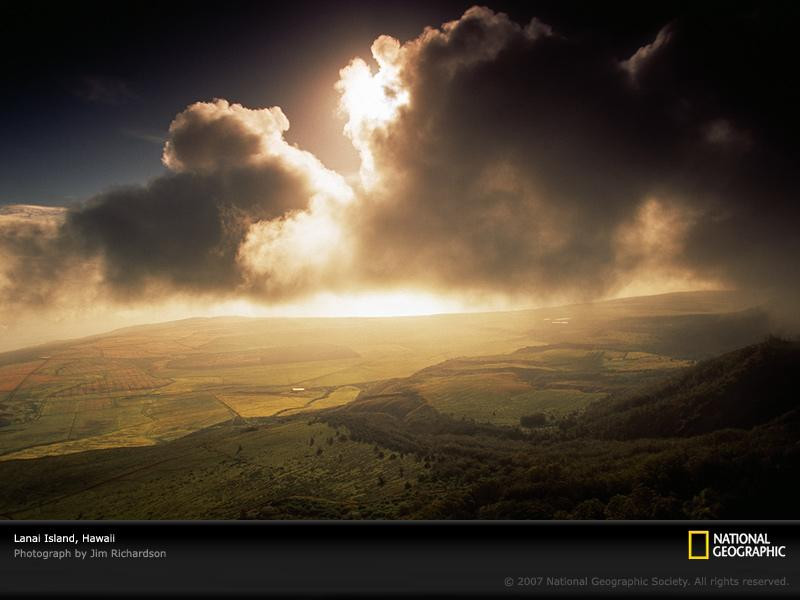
{"x": 498, "y": 158}
{"x": 145, "y": 136}
{"x": 210, "y": 136}
{"x": 233, "y": 179}
{"x": 510, "y": 165}
{"x": 524, "y": 161}
{"x": 722, "y": 133}
{"x": 104, "y": 90}
{"x": 26, "y": 237}
{"x": 640, "y": 59}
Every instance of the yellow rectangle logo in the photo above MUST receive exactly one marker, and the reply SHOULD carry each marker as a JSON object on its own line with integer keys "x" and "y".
{"x": 697, "y": 556}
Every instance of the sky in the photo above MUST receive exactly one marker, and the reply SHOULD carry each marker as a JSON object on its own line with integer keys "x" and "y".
{"x": 382, "y": 158}
{"x": 90, "y": 92}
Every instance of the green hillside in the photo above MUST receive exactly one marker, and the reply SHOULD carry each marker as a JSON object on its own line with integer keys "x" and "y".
{"x": 740, "y": 389}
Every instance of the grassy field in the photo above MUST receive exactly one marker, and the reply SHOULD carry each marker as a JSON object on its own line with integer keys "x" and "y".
{"x": 264, "y": 470}
{"x": 500, "y": 398}
{"x": 552, "y": 380}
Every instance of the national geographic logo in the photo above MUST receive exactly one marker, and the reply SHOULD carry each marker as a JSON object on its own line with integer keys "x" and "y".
{"x": 698, "y": 545}
{"x": 702, "y": 545}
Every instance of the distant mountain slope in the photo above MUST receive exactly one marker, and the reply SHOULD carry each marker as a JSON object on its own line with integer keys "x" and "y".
{"x": 740, "y": 389}
{"x": 692, "y": 335}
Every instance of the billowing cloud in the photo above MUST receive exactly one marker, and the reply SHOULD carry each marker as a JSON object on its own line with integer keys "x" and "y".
{"x": 511, "y": 163}
{"x": 235, "y": 188}
{"x": 497, "y": 158}
{"x": 525, "y": 161}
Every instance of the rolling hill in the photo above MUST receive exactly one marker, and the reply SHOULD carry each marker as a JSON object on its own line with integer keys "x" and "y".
{"x": 741, "y": 389}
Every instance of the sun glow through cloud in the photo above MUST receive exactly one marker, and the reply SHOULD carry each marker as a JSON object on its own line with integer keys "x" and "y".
{"x": 371, "y": 100}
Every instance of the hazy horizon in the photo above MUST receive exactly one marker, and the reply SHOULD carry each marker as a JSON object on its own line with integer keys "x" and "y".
{"x": 7, "y": 344}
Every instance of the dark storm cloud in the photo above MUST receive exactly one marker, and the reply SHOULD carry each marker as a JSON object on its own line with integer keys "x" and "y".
{"x": 516, "y": 159}
{"x": 179, "y": 234}
{"x": 182, "y": 230}
{"x": 727, "y": 77}
{"x": 523, "y": 156}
